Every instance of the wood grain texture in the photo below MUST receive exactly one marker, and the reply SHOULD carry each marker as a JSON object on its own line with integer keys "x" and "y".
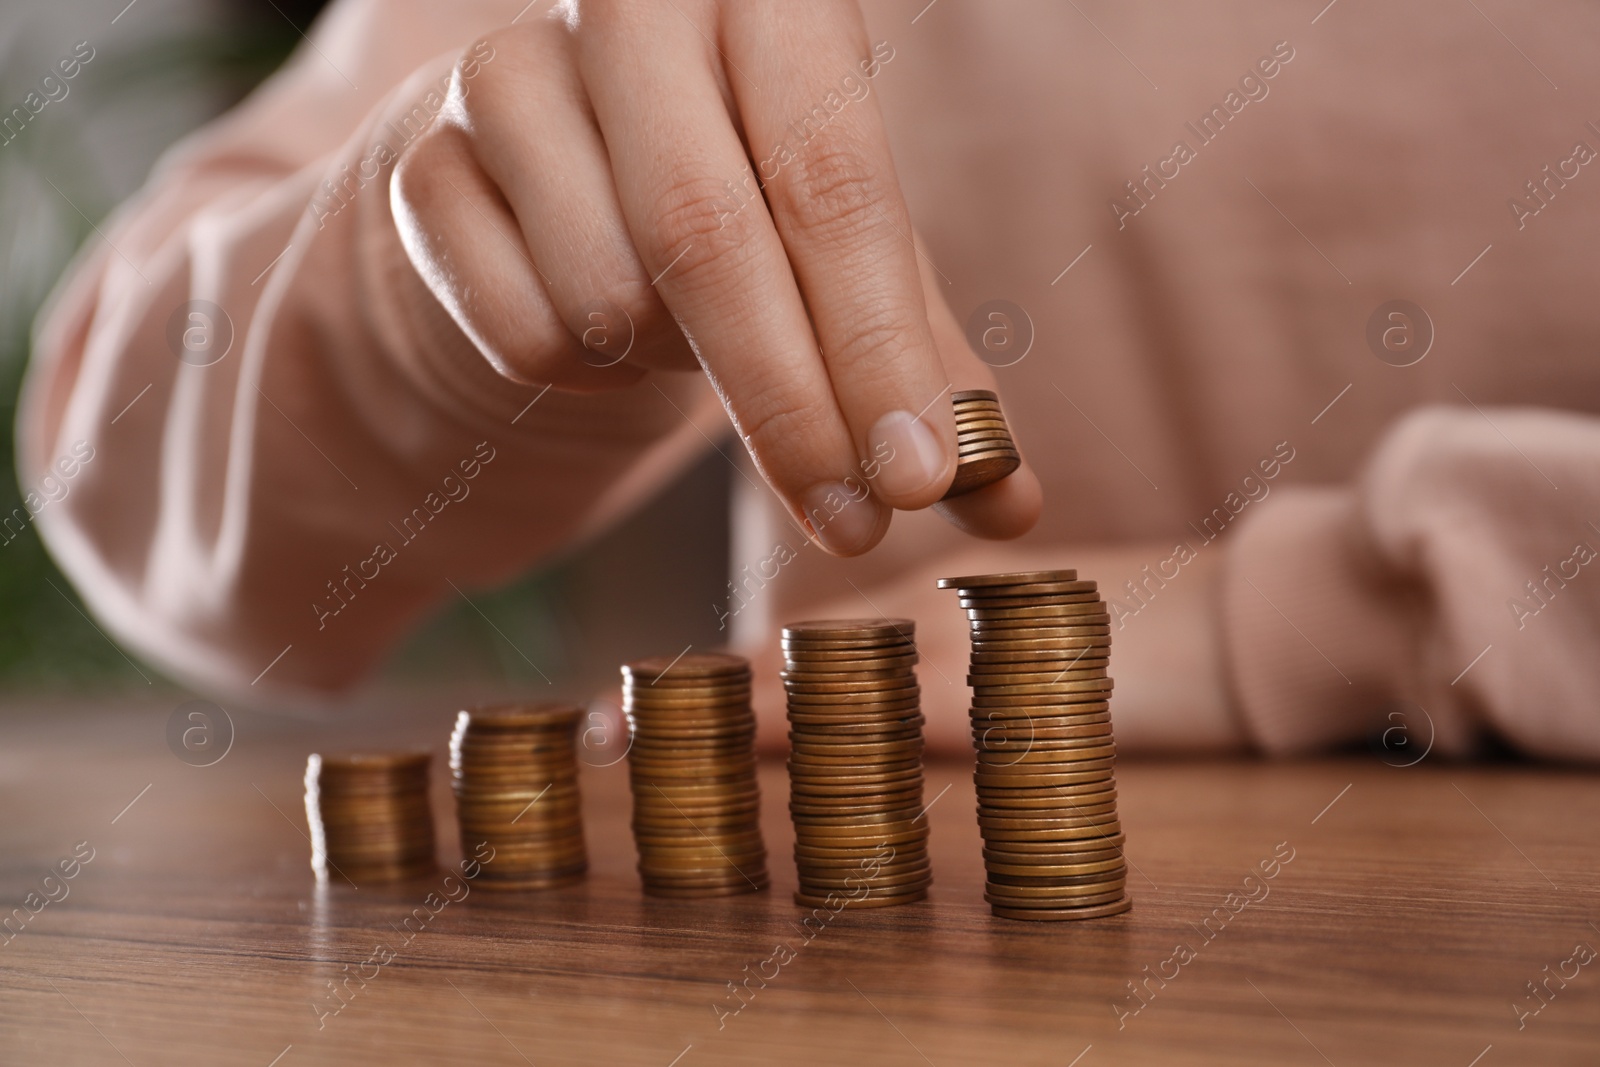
{"x": 1403, "y": 931}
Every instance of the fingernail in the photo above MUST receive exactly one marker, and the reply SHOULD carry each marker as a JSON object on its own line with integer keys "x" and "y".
{"x": 841, "y": 516}
{"x": 907, "y": 452}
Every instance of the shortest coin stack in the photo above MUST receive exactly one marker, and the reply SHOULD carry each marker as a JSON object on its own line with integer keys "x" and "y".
{"x": 515, "y": 773}
{"x": 370, "y": 817}
{"x": 1041, "y": 717}
{"x": 855, "y": 762}
{"x": 985, "y": 452}
{"x": 696, "y": 802}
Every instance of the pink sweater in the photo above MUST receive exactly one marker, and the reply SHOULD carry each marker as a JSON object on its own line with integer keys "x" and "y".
{"x": 1201, "y": 212}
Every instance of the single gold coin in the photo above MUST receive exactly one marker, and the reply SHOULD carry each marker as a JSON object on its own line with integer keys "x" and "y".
{"x": 1018, "y": 908}
{"x": 898, "y": 801}
{"x": 688, "y": 665}
{"x": 1000, "y": 622}
{"x": 1031, "y": 641}
{"x": 1038, "y": 896}
{"x": 866, "y": 696}
{"x": 981, "y": 423}
{"x": 869, "y": 900}
{"x": 1015, "y": 770}
{"x": 846, "y": 713}
{"x": 992, "y": 674}
{"x": 1002, "y": 747}
{"x": 816, "y": 884}
{"x": 823, "y": 629}
{"x": 1095, "y": 682}
{"x": 731, "y": 889}
{"x": 1075, "y": 714}
{"x": 1079, "y": 849}
{"x": 1064, "y": 914}
{"x": 1100, "y": 815}
{"x": 1101, "y": 808}
{"x": 1014, "y": 590}
{"x": 881, "y": 728}
{"x": 1008, "y": 682}
{"x": 1081, "y": 833}
{"x": 976, "y": 471}
{"x": 968, "y": 436}
{"x": 1085, "y": 659}
{"x": 818, "y": 691}
{"x": 986, "y": 455}
{"x": 1114, "y": 876}
{"x": 1039, "y": 778}
{"x": 796, "y": 667}
{"x": 1033, "y": 628}
{"x": 984, "y": 581}
{"x": 1074, "y": 603}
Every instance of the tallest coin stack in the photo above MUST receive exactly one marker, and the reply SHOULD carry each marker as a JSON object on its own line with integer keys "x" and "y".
{"x": 1041, "y": 719}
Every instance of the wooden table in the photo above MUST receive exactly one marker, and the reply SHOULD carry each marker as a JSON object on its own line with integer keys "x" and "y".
{"x": 1418, "y": 905}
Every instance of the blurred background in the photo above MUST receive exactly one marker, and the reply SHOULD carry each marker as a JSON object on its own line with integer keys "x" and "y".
{"x": 160, "y": 69}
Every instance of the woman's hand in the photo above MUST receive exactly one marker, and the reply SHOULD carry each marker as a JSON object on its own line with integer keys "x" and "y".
{"x": 587, "y": 211}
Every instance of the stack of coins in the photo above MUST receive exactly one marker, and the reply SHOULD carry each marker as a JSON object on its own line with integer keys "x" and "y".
{"x": 1041, "y": 718}
{"x": 370, "y": 817}
{"x": 855, "y": 763}
{"x": 985, "y": 452}
{"x": 515, "y": 773}
{"x": 696, "y": 803}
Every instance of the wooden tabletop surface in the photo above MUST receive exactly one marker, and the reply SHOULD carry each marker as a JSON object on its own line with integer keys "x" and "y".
{"x": 1420, "y": 908}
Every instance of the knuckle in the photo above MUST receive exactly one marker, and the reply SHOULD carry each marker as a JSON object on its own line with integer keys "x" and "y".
{"x": 831, "y": 192}
{"x": 774, "y": 422}
{"x": 694, "y": 218}
{"x": 417, "y": 186}
{"x": 495, "y": 74}
{"x": 874, "y": 339}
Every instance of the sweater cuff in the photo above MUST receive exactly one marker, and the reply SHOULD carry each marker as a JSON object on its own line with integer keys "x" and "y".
{"x": 1319, "y": 640}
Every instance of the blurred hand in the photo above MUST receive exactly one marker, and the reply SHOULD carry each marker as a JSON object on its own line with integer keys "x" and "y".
{"x": 586, "y": 210}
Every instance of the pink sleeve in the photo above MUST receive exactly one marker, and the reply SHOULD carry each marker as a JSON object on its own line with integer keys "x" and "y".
{"x": 1458, "y": 577}
{"x": 350, "y": 462}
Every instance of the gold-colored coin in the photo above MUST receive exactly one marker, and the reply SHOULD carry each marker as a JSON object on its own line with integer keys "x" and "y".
{"x": 1047, "y": 820}
{"x": 970, "y": 435}
{"x": 1065, "y": 914}
{"x": 1035, "y": 640}
{"x": 1095, "y": 683}
{"x": 871, "y": 696}
{"x": 998, "y": 898}
{"x": 976, "y": 471}
{"x": 1081, "y": 659}
{"x": 988, "y": 581}
{"x": 1044, "y": 588}
{"x": 1053, "y": 616}
{"x": 690, "y": 665}
{"x": 980, "y": 607}
{"x": 835, "y": 629}
{"x": 868, "y": 900}
{"x": 828, "y": 667}
{"x": 986, "y": 450}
